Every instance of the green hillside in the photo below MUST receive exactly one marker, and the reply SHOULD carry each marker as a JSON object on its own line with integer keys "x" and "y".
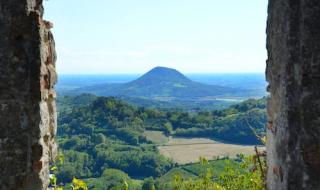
{"x": 102, "y": 133}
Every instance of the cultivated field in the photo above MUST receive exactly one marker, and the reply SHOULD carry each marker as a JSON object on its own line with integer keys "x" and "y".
{"x": 188, "y": 150}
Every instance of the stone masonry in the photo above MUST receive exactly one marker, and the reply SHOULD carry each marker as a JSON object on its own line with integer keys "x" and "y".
{"x": 27, "y": 99}
{"x": 293, "y": 73}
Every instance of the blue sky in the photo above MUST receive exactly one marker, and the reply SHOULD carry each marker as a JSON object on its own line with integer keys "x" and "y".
{"x": 133, "y": 36}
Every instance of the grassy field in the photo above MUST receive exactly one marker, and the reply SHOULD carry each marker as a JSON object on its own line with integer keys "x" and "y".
{"x": 157, "y": 137}
{"x": 217, "y": 165}
{"x": 177, "y": 171}
{"x": 188, "y": 150}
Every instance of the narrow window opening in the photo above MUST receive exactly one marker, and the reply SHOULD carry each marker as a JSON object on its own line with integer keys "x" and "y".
{"x": 160, "y": 94}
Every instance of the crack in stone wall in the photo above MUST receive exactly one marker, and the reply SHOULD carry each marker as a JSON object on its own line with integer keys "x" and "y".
{"x": 293, "y": 73}
{"x": 28, "y": 116}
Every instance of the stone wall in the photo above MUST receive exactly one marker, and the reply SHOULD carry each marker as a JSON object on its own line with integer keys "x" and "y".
{"x": 293, "y": 72}
{"x": 28, "y": 111}
{"x": 27, "y": 98}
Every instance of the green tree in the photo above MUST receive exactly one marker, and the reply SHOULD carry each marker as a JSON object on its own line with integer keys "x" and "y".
{"x": 148, "y": 184}
{"x": 168, "y": 128}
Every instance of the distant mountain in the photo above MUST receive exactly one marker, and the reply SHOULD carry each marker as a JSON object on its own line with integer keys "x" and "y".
{"x": 164, "y": 84}
{"x": 160, "y": 75}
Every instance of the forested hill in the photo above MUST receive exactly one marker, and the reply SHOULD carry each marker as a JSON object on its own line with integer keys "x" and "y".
{"x": 114, "y": 116}
{"x": 163, "y": 82}
{"x": 161, "y": 75}
{"x": 99, "y": 133}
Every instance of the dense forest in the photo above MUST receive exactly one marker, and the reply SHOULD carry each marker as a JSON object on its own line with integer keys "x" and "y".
{"x": 99, "y": 135}
{"x": 111, "y": 116}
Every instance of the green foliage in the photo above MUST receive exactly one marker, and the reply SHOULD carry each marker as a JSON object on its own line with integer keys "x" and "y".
{"x": 203, "y": 182}
{"x": 177, "y": 171}
{"x": 156, "y": 137}
{"x": 148, "y": 184}
{"x": 103, "y": 133}
{"x": 75, "y": 164}
{"x": 240, "y": 175}
{"x": 217, "y": 165}
{"x": 114, "y": 117}
{"x": 245, "y": 177}
{"x": 168, "y": 129}
{"x": 177, "y": 104}
{"x": 107, "y": 134}
{"x": 232, "y": 124}
{"x": 66, "y": 103}
{"x": 112, "y": 179}
{"x": 78, "y": 184}
{"x": 54, "y": 170}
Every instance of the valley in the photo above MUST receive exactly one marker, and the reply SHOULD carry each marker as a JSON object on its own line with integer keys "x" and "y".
{"x": 167, "y": 88}
{"x": 101, "y": 136}
{"x": 155, "y": 128}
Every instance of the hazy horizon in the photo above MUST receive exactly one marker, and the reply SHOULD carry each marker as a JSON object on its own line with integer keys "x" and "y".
{"x": 101, "y": 74}
{"x": 132, "y": 37}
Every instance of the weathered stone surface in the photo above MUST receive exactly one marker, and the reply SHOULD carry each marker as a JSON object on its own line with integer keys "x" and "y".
{"x": 27, "y": 98}
{"x": 293, "y": 72}
{"x": 28, "y": 111}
